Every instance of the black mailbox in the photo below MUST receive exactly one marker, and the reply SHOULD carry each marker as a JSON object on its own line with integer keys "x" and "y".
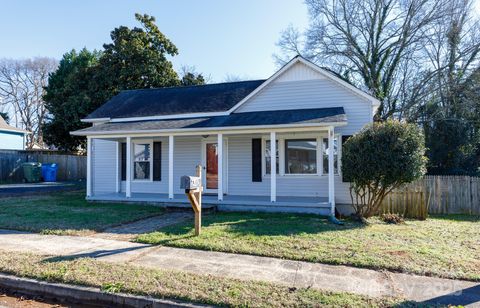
{"x": 190, "y": 182}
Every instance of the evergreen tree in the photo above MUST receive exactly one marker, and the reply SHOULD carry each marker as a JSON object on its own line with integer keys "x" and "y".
{"x": 135, "y": 59}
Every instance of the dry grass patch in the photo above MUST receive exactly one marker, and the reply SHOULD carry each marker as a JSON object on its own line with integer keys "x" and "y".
{"x": 179, "y": 285}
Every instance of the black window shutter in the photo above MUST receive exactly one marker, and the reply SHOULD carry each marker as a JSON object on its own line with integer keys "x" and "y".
{"x": 256, "y": 160}
{"x": 123, "y": 159}
{"x": 157, "y": 161}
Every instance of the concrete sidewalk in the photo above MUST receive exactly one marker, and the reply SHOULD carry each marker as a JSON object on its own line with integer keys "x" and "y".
{"x": 129, "y": 231}
{"x": 290, "y": 273}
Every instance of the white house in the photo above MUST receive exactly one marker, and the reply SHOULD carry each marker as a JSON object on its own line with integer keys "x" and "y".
{"x": 142, "y": 141}
{"x": 11, "y": 138}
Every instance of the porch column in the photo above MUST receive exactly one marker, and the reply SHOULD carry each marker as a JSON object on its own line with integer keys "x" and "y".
{"x": 128, "y": 180}
{"x": 331, "y": 178}
{"x": 273, "y": 167}
{"x": 89, "y": 166}
{"x": 170, "y": 166}
{"x": 220, "y": 166}
{"x": 118, "y": 168}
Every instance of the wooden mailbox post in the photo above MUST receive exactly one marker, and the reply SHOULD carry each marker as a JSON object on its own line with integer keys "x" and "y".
{"x": 193, "y": 189}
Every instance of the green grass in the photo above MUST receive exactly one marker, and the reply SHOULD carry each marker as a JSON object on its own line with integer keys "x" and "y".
{"x": 446, "y": 246}
{"x": 178, "y": 285}
{"x": 67, "y": 213}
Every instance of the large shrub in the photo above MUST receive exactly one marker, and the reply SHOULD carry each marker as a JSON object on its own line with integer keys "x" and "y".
{"x": 380, "y": 158}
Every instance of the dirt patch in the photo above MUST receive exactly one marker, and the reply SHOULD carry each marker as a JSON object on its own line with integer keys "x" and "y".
{"x": 16, "y": 300}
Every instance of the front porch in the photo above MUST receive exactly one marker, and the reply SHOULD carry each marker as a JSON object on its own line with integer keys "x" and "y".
{"x": 313, "y": 205}
{"x": 239, "y": 172}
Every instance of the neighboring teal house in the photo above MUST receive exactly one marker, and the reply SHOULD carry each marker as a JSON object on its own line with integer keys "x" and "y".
{"x": 11, "y": 138}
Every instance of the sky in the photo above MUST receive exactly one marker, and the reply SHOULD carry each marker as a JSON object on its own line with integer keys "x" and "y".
{"x": 219, "y": 37}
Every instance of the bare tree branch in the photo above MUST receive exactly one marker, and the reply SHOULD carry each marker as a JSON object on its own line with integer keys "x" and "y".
{"x": 21, "y": 89}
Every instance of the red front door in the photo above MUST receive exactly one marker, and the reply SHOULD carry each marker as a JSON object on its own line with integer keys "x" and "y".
{"x": 212, "y": 165}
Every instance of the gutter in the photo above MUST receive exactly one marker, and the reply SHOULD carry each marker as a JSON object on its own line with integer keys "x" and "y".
{"x": 19, "y": 131}
{"x": 200, "y": 131}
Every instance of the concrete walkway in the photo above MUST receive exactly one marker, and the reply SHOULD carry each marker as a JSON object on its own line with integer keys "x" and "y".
{"x": 129, "y": 231}
{"x": 290, "y": 273}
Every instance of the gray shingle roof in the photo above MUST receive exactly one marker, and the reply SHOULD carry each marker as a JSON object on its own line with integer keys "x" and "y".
{"x": 175, "y": 100}
{"x": 5, "y": 127}
{"x": 278, "y": 117}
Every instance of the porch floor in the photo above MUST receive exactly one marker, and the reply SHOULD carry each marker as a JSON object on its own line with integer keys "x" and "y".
{"x": 230, "y": 202}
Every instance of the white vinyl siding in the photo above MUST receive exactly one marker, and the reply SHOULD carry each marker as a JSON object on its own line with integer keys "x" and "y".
{"x": 300, "y": 87}
{"x": 104, "y": 169}
{"x": 309, "y": 94}
{"x": 298, "y": 72}
{"x": 103, "y": 165}
{"x": 240, "y": 177}
{"x": 154, "y": 186}
{"x": 11, "y": 141}
{"x": 187, "y": 155}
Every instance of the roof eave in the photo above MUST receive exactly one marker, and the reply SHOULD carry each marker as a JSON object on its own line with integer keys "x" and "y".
{"x": 95, "y": 120}
{"x": 19, "y": 131}
{"x": 208, "y": 129}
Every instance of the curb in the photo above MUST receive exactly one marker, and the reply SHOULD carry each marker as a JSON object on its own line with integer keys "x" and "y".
{"x": 85, "y": 295}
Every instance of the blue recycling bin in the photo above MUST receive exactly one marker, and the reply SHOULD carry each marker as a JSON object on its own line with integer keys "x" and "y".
{"x": 49, "y": 172}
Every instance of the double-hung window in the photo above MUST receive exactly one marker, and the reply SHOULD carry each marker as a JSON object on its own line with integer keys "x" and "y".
{"x": 300, "y": 156}
{"x": 142, "y": 161}
{"x": 325, "y": 155}
{"x": 268, "y": 157}
{"x": 303, "y": 156}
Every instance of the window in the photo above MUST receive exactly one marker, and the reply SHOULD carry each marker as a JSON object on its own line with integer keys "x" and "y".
{"x": 301, "y": 156}
{"x": 142, "y": 161}
{"x": 267, "y": 157}
{"x": 325, "y": 155}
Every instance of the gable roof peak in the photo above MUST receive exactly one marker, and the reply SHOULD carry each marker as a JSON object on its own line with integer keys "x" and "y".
{"x": 300, "y": 59}
{"x": 4, "y": 126}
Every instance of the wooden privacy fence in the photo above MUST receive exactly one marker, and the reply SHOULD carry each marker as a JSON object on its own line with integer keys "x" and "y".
{"x": 436, "y": 195}
{"x": 70, "y": 167}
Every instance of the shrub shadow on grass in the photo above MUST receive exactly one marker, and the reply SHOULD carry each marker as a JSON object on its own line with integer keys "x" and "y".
{"x": 258, "y": 224}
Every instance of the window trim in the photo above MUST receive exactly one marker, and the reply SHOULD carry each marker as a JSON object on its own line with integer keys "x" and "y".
{"x": 319, "y": 157}
{"x": 339, "y": 154}
{"x": 285, "y": 155}
{"x": 150, "y": 160}
{"x": 264, "y": 159}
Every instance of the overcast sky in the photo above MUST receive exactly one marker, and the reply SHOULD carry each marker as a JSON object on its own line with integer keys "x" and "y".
{"x": 218, "y": 37}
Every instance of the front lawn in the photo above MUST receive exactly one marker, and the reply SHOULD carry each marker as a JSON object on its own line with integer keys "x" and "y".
{"x": 67, "y": 213}
{"x": 441, "y": 246}
{"x": 185, "y": 286}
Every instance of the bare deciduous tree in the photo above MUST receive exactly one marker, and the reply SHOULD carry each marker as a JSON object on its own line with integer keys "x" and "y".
{"x": 21, "y": 88}
{"x": 453, "y": 52}
{"x": 372, "y": 43}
